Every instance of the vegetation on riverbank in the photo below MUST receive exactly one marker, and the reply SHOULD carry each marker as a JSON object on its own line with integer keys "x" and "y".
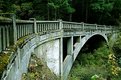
{"x": 104, "y": 63}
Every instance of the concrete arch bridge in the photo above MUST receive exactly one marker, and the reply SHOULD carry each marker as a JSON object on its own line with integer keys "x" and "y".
{"x": 56, "y": 42}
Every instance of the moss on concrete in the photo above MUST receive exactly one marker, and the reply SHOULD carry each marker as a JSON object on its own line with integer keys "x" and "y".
{"x": 5, "y": 56}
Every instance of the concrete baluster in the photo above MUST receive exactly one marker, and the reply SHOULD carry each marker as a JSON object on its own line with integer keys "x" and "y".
{"x": 48, "y": 26}
{"x": 20, "y": 30}
{"x": 57, "y": 26}
{"x": 7, "y": 35}
{"x": 23, "y": 30}
{"x": 45, "y": 26}
{"x": 3, "y": 38}
{"x": 26, "y": 29}
{"x": 38, "y": 28}
{"x": 104, "y": 28}
{"x": 41, "y": 27}
{"x": 54, "y": 26}
{"x": 96, "y": 28}
{"x": 27, "y": 26}
{"x": 0, "y": 40}
{"x": 17, "y": 31}
{"x": 31, "y": 29}
{"x": 83, "y": 28}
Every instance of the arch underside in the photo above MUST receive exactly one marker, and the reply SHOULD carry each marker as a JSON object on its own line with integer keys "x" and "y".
{"x": 89, "y": 38}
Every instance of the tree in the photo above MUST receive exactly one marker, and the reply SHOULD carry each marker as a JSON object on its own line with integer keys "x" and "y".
{"x": 102, "y": 8}
{"x": 60, "y": 6}
{"x": 116, "y": 12}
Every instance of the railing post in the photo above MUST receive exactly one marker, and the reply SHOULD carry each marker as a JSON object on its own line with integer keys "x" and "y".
{"x": 14, "y": 28}
{"x": 96, "y": 26}
{"x": 60, "y": 24}
{"x": 105, "y": 28}
{"x": 35, "y": 25}
{"x": 82, "y": 26}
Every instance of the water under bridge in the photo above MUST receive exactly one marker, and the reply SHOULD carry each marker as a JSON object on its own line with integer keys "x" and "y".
{"x": 58, "y": 43}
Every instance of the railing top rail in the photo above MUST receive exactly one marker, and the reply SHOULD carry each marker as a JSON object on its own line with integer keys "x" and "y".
{"x": 46, "y": 21}
{"x": 87, "y": 24}
{"x": 24, "y": 21}
{"x": 72, "y": 22}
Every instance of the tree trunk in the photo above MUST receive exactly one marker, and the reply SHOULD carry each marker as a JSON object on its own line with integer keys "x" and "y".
{"x": 48, "y": 12}
{"x": 70, "y": 17}
{"x": 55, "y": 14}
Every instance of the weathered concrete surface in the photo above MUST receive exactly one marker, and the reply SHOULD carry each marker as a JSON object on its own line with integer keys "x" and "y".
{"x": 49, "y": 53}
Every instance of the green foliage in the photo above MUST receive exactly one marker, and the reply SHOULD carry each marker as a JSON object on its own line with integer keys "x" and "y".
{"x": 60, "y": 7}
{"x": 89, "y": 64}
{"x": 117, "y": 48}
{"x": 107, "y": 9}
{"x": 40, "y": 9}
{"x": 101, "y": 7}
{"x": 102, "y": 63}
{"x": 91, "y": 11}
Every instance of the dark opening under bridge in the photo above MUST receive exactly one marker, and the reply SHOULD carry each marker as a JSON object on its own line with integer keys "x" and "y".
{"x": 56, "y": 42}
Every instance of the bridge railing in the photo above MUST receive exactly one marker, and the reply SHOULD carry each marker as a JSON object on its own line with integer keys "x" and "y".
{"x": 12, "y": 30}
{"x": 72, "y": 26}
{"x": 5, "y": 31}
{"x": 47, "y": 26}
{"x": 24, "y": 28}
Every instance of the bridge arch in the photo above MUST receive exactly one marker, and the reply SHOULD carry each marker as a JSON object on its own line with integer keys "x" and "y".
{"x": 85, "y": 39}
{"x": 78, "y": 46}
{"x": 94, "y": 41}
